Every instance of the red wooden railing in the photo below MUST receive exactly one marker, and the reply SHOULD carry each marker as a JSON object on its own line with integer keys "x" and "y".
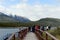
{"x": 21, "y": 34}
{"x": 47, "y": 36}
{"x": 39, "y": 33}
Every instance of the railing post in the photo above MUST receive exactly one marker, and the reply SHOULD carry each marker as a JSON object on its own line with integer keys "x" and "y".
{"x": 41, "y": 33}
{"x": 14, "y": 37}
{"x": 46, "y": 37}
{"x": 19, "y": 35}
{"x": 51, "y": 36}
{"x": 52, "y": 39}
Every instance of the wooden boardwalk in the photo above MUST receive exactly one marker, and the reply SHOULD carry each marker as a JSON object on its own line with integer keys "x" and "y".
{"x": 37, "y": 35}
{"x": 30, "y": 36}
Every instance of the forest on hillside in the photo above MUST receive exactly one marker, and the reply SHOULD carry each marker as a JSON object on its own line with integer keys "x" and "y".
{"x": 45, "y": 21}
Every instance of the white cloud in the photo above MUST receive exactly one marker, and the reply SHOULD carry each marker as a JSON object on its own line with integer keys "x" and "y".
{"x": 33, "y": 12}
{"x": 2, "y": 8}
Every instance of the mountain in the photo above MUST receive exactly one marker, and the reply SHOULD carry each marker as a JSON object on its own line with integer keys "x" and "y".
{"x": 7, "y": 18}
{"x": 26, "y": 22}
{"x": 21, "y": 19}
{"x": 49, "y": 21}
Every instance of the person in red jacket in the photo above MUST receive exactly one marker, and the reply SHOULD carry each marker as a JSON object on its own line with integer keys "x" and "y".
{"x": 37, "y": 27}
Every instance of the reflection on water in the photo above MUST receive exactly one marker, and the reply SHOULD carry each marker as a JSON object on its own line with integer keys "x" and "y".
{"x": 5, "y": 31}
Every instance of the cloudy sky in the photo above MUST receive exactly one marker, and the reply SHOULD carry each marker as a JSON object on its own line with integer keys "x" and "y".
{"x": 32, "y": 9}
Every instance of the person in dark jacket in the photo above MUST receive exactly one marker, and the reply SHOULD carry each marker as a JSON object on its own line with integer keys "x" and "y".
{"x": 33, "y": 28}
{"x": 29, "y": 29}
{"x": 49, "y": 27}
{"x": 42, "y": 28}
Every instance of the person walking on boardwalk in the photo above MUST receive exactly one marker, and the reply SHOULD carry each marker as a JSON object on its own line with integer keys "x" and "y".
{"x": 33, "y": 28}
{"x": 29, "y": 29}
{"x": 47, "y": 28}
{"x": 42, "y": 28}
{"x": 37, "y": 27}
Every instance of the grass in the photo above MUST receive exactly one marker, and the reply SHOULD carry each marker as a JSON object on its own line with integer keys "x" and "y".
{"x": 55, "y": 32}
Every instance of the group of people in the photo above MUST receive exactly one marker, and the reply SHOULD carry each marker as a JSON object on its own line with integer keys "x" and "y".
{"x": 37, "y": 27}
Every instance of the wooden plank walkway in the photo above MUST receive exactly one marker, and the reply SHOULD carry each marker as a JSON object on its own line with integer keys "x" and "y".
{"x": 30, "y": 36}
{"x": 26, "y": 35}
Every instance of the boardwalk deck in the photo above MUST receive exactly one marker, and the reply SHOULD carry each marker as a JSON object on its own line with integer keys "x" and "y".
{"x": 30, "y": 36}
{"x": 26, "y": 35}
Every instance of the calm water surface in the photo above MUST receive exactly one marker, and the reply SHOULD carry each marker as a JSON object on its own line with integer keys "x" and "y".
{"x": 5, "y": 31}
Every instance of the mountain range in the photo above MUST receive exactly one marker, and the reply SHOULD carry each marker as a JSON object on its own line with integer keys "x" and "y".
{"x": 49, "y": 21}
{"x": 26, "y": 22}
{"x": 10, "y": 18}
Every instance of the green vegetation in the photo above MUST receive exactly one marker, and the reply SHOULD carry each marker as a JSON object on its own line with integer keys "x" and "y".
{"x": 49, "y": 21}
{"x": 56, "y": 32}
{"x": 45, "y": 21}
{"x": 15, "y": 24}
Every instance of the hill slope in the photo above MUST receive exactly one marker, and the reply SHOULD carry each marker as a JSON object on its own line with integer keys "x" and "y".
{"x": 6, "y": 18}
{"x": 21, "y": 19}
{"x": 26, "y": 22}
{"x": 49, "y": 21}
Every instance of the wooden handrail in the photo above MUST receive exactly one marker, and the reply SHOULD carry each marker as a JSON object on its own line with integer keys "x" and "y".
{"x": 40, "y": 34}
{"x": 48, "y": 34}
{"x": 12, "y": 37}
{"x": 21, "y": 34}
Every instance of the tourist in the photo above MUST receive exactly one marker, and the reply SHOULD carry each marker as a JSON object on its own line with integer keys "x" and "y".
{"x": 37, "y": 27}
